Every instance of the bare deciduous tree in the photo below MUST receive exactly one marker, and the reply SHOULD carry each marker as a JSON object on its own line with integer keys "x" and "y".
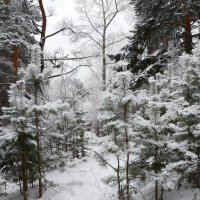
{"x": 98, "y": 17}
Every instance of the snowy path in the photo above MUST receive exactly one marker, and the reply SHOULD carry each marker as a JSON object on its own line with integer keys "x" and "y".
{"x": 82, "y": 182}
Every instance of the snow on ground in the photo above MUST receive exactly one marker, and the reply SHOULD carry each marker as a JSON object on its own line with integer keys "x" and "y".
{"x": 82, "y": 182}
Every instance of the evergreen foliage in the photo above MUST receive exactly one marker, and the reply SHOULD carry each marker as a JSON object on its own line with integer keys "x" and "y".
{"x": 17, "y": 20}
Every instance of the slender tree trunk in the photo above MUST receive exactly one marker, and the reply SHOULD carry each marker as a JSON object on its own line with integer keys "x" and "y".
{"x": 118, "y": 179}
{"x": 104, "y": 61}
{"x": 42, "y": 43}
{"x": 24, "y": 167}
{"x": 156, "y": 190}
{"x": 39, "y": 163}
{"x": 43, "y": 31}
{"x": 19, "y": 177}
{"x": 162, "y": 192}
{"x": 104, "y": 46}
{"x": 127, "y": 178}
{"x": 156, "y": 159}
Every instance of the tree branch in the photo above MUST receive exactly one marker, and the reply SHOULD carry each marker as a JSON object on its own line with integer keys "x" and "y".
{"x": 105, "y": 161}
{"x": 62, "y": 29}
{"x": 89, "y": 20}
{"x": 54, "y": 76}
{"x": 67, "y": 58}
{"x": 33, "y": 22}
{"x": 114, "y": 42}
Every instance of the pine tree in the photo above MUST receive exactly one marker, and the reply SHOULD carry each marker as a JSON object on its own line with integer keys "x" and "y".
{"x": 119, "y": 139}
{"x": 66, "y": 124}
{"x": 160, "y": 25}
{"x": 165, "y": 21}
{"x": 19, "y": 156}
{"x": 154, "y": 125}
{"x": 18, "y": 20}
{"x": 26, "y": 112}
{"x": 187, "y": 131}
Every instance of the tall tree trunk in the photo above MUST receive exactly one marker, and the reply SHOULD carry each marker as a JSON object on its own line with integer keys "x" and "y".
{"x": 104, "y": 46}
{"x": 104, "y": 61}
{"x": 156, "y": 160}
{"x": 156, "y": 190}
{"x": 43, "y": 32}
{"x": 127, "y": 178}
{"x": 118, "y": 179}
{"x": 39, "y": 162}
{"x": 162, "y": 192}
{"x": 24, "y": 166}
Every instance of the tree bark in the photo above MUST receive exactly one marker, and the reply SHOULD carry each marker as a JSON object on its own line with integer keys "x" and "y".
{"x": 39, "y": 163}
{"x": 24, "y": 165}
{"x": 104, "y": 64}
{"x": 188, "y": 35}
{"x": 127, "y": 178}
{"x": 43, "y": 32}
{"x": 15, "y": 58}
{"x": 156, "y": 190}
{"x": 118, "y": 179}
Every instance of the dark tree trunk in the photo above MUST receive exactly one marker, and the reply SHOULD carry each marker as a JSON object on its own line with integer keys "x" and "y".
{"x": 188, "y": 35}
{"x": 118, "y": 179}
{"x": 39, "y": 162}
{"x": 127, "y": 178}
{"x": 24, "y": 165}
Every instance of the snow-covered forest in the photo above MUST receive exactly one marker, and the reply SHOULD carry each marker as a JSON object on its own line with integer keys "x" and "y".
{"x": 114, "y": 115}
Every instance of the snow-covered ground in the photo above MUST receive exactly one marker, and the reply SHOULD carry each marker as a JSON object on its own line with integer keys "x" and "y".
{"x": 82, "y": 182}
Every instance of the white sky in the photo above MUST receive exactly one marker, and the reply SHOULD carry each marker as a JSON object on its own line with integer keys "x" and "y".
{"x": 67, "y": 9}
{"x": 63, "y": 9}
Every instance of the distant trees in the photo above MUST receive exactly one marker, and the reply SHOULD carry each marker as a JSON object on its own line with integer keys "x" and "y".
{"x": 98, "y": 17}
{"x": 65, "y": 140}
